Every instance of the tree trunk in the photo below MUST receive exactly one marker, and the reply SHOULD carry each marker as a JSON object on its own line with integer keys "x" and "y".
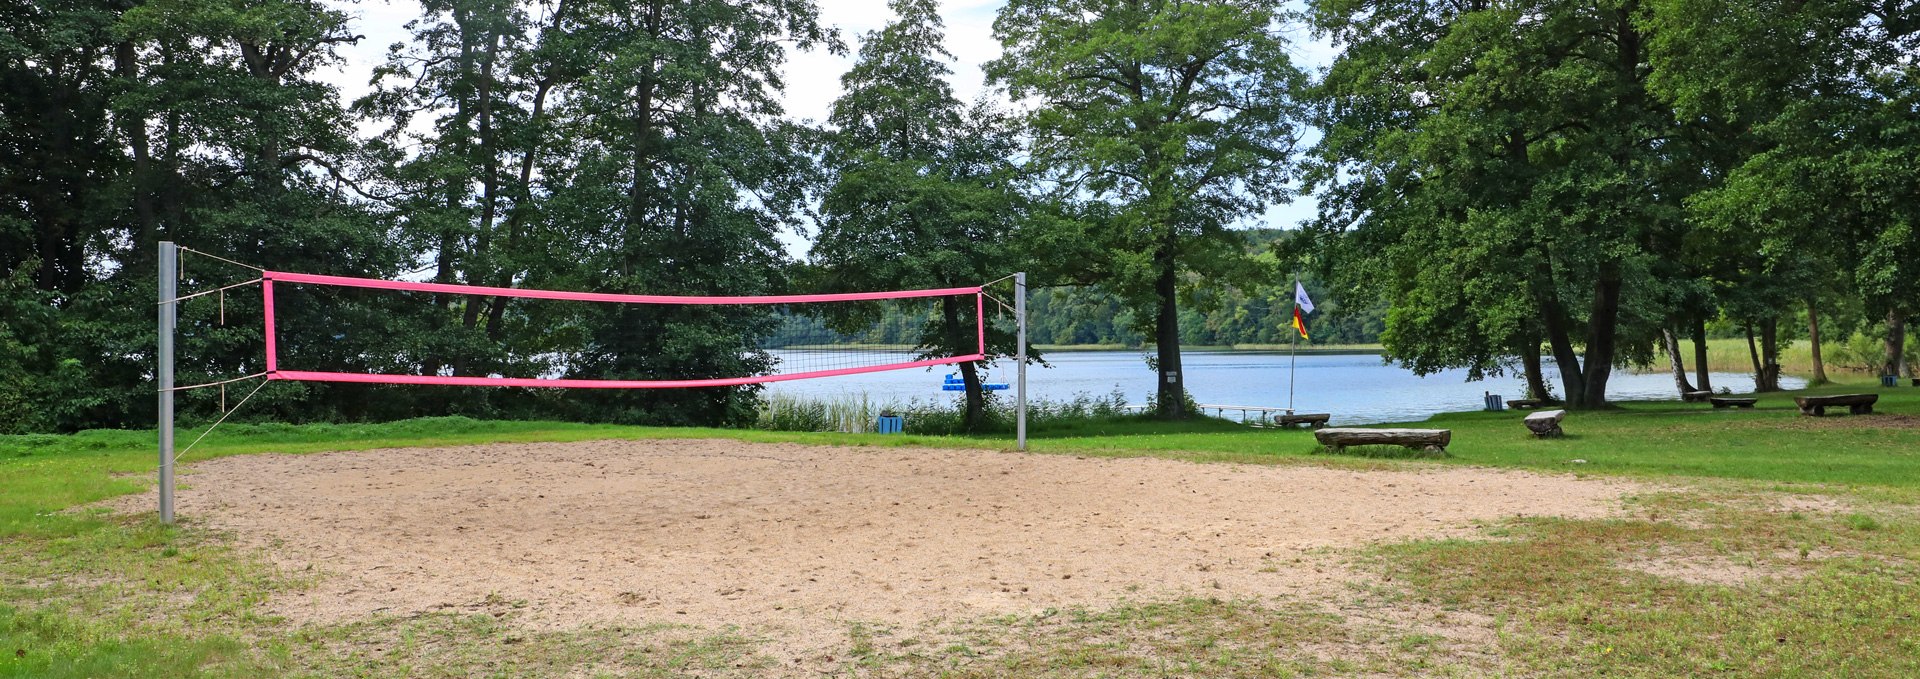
{"x": 1572, "y": 379}
{"x": 1896, "y": 343}
{"x": 1672, "y": 344}
{"x": 481, "y": 257}
{"x": 1530, "y": 364}
{"x": 1171, "y": 395}
{"x": 126, "y": 66}
{"x": 1701, "y": 375}
{"x": 455, "y": 188}
{"x": 1753, "y": 353}
{"x": 958, "y": 341}
{"x": 170, "y": 140}
{"x": 1769, "y": 375}
{"x": 523, "y": 203}
{"x": 1602, "y": 326}
{"x": 1813, "y": 344}
{"x": 643, "y": 138}
{"x": 639, "y": 196}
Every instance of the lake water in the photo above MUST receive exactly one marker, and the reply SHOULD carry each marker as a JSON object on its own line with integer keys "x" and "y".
{"x": 1355, "y": 388}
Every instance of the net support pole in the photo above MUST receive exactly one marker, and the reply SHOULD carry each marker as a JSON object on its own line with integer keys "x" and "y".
{"x": 1020, "y": 361}
{"x": 169, "y": 290}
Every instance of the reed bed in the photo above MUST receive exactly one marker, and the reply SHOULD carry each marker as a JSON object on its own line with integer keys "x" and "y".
{"x": 1858, "y": 354}
{"x": 858, "y": 413}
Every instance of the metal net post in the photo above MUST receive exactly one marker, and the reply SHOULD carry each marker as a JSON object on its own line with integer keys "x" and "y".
{"x": 169, "y": 289}
{"x": 1020, "y": 362}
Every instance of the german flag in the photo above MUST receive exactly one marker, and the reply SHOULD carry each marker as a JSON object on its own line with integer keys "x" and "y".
{"x": 1302, "y": 305}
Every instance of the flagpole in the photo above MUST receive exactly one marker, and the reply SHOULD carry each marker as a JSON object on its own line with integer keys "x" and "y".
{"x": 1291, "y": 362}
{"x": 1295, "y": 358}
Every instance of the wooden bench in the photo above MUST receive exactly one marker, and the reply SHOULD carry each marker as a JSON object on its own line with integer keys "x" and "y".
{"x": 1696, "y": 396}
{"x": 1524, "y": 403}
{"x": 1719, "y": 402}
{"x": 1337, "y": 439}
{"x": 1546, "y": 423}
{"x": 1857, "y": 404}
{"x": 1312, "y": 420}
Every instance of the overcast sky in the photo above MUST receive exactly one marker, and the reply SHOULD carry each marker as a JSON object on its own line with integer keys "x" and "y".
{"x": 813, "y": 78}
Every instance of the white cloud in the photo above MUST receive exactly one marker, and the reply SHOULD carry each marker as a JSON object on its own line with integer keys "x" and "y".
{"x": 381, "y": 23}
{"x": 813, "y": 78}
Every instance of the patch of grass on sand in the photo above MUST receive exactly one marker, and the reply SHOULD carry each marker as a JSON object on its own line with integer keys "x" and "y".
{"x": 99, "y": 597}
{"x": 1689, "y": 586}
{"x": 1194, "y": 636}
{"x": 495, "y": 644}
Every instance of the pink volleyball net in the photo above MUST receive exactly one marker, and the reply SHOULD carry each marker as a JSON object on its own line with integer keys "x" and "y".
{"x": 809, "y": 336}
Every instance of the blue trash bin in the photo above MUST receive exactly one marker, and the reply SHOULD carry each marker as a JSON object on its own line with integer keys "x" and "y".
{"x": 889, "y": 424}
{"x": 1889, "y": 380}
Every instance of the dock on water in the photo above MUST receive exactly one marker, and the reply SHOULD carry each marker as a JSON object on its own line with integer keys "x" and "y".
{"x": 1258, "y": 416}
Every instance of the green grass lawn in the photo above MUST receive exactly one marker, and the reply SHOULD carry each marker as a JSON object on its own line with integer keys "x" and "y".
{"x": 1771, "y": 442}
{"x": 84, "y": 593}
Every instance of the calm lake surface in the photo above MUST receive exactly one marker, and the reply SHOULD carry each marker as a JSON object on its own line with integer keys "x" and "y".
{"x": 1355, "y": 388}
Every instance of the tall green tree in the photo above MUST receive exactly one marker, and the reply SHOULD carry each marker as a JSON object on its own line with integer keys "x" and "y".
{"x": 471, "y": 75}
{"x": 59, "y": 155}
{"x": 673, "y": 173}
{"x": 127, "y": 123}
{"x": 1823, "y": 96}
{"x": 248, "y": 158}
{"x": 923, "y": 193}
{"x": 1507, "y": 157}
{"x": 1178, "y": 116}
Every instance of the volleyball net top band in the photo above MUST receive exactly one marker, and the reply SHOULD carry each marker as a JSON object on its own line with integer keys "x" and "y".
{"x": 274, "y": 372}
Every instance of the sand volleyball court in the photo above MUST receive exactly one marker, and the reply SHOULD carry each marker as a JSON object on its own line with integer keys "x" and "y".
{"x": 806, "y": 538}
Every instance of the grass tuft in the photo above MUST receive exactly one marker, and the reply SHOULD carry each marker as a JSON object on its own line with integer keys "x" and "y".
{"x": 1862, "y": 522}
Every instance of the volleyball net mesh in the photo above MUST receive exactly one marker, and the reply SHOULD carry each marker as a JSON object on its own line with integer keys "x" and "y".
{"x": 792, "y": 337}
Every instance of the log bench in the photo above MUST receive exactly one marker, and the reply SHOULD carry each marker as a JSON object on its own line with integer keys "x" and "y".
{"x": 1816, "y": 406}
{"x": 1720, "y": 402}
{"x": 1696, "y": 396}
{"x": 1546, "y": 423}
{"x": 1524, "y": 403}
{"x": 1336, "y": 439}
{"x": 1312, "y": 420}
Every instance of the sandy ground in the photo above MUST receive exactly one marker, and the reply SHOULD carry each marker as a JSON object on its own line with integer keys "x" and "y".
{"x": 805, "y": 538}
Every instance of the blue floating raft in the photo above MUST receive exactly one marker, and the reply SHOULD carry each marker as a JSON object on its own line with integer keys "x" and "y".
{"x": 954, "y": 383}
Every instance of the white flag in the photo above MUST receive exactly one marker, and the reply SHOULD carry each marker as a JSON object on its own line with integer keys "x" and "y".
{"x": 1300, "y": 298}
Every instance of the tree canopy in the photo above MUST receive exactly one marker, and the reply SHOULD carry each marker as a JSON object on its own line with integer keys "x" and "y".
{"x": 923, "y": 191}
{"x": 1502, "y": 186}
{"x": 1177, "y": 118}
{"x": 1597, "y": 175}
